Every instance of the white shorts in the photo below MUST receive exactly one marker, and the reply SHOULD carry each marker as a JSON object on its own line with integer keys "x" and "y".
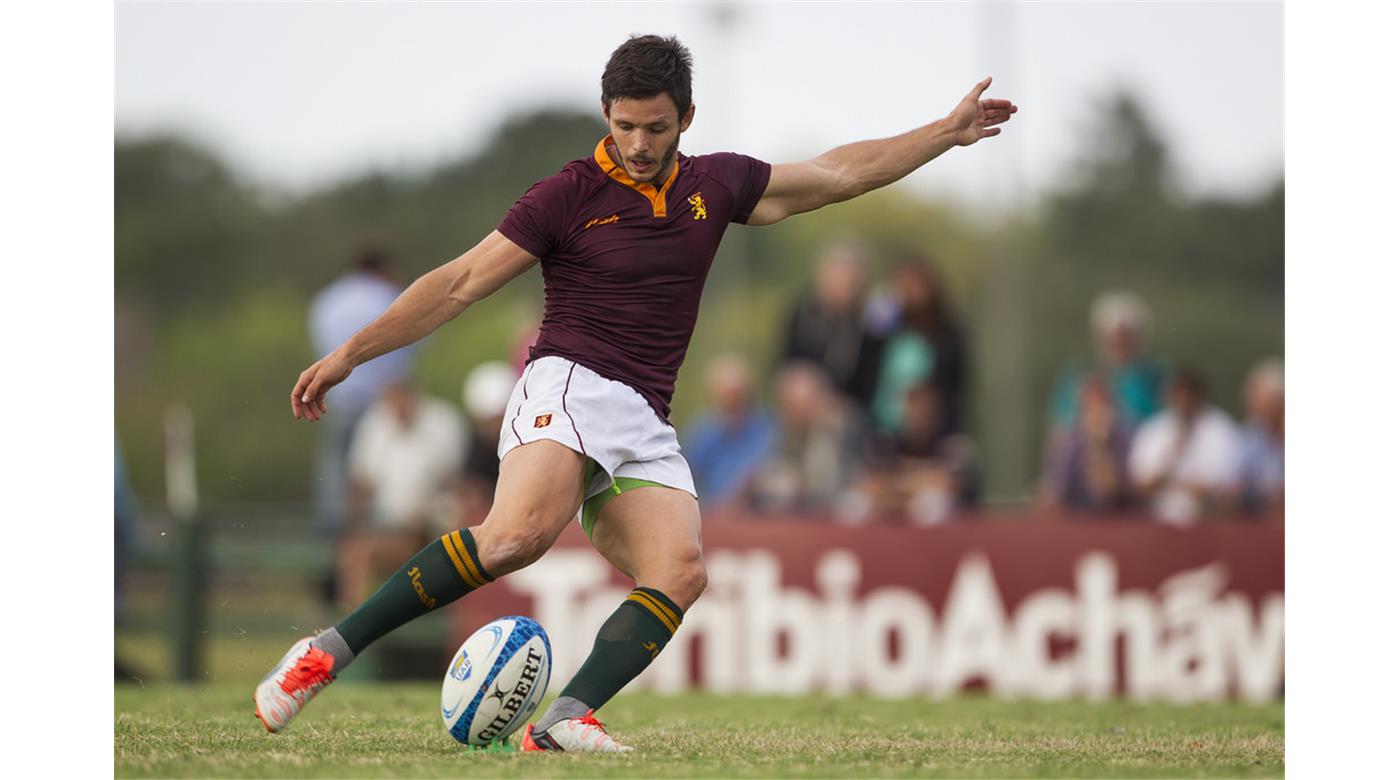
{"x": 605, "y": 420}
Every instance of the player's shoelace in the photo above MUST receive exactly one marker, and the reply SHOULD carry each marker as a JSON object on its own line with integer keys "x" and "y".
{"x": 589, "y": 720}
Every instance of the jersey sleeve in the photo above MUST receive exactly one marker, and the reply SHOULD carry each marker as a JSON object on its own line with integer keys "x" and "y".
{"x": 745, "y": 177}
{"x": 536, "y": 222}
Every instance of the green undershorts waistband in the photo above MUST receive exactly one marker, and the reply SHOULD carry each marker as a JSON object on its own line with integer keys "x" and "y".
{"x": 593, "y": 505}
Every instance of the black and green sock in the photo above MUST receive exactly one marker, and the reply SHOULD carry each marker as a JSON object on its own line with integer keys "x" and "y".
{"x": 434, "y": 577}
{"x": 627, "y": 643}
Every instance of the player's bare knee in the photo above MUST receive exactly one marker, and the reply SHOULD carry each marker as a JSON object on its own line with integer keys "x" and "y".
{"x": 506, "y": 549}
{"x": 685, "y": 580}
{"x": 697, "y": 579}
{"x": 520, "y": 547}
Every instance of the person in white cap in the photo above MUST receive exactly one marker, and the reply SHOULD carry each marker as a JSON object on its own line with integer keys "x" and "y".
{"x": 1119, "y": 321}
{"x": 485, "y": 394}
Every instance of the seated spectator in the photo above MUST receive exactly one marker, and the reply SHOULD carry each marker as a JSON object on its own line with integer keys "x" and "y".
{"x": 921, "y": 472}
{"x": 927, "y": 346}
{"x": 732, "y": 439}
{"x": 485, "y": 394}
{"x": 1262, "y": 470}
{"x": 818, "y": 446}
{"x": 1119, "y": 322}
{"x": 1185, "y": 460}
{"x": 1086, "y": 466}
{"x": 404, "y": 461}
{"x": 827, "y": 326}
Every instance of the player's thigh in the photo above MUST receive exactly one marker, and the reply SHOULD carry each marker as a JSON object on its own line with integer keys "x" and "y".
{"x": 537, "y": 493}
{"x": 652, "y": 534}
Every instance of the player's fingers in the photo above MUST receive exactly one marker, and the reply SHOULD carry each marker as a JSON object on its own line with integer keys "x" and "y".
{"x": 311, "y": 397}
{"x": 988, "y": 133}
{"x": 298, "y": 390}
{"x": 980, "y": 88}
{"x": 994, "y": 104}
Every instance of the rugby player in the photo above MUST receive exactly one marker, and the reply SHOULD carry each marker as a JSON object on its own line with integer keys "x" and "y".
{"x": 624, "y": 238}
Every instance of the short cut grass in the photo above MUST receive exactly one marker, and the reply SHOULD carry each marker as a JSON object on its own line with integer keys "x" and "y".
{"x": 644, "y": 67}
{"x": 394, "y": 730}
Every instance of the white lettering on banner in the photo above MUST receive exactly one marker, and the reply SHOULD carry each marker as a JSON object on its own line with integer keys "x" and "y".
{"x": 1190, "y": 640}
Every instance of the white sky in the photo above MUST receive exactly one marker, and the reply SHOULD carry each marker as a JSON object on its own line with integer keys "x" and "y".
{"x": 301, "y": 94}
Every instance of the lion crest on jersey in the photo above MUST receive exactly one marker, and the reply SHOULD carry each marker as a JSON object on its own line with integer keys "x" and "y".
{"x": 697, "y": 206}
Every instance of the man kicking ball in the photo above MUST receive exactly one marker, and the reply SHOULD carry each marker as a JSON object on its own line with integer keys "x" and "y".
{"x": 624, "y": 238}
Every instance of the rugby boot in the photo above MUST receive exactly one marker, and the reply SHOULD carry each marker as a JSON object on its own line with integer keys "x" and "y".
{"x": 299, "y": 676}
{"x": 572, "y": 735}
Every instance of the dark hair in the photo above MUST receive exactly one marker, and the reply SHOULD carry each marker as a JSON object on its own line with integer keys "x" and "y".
{"x": 646, "y": 66}
{"x": 372, "y": 257}
{"x": 1190, "y": 381}
{"x": 932, "y": 317}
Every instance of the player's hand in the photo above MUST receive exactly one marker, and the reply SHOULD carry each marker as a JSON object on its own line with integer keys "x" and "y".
{"x": 974, "y": 118}
{"x": 309, "y": 395}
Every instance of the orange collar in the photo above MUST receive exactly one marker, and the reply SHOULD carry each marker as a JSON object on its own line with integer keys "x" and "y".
{"x": 619, "y": 174}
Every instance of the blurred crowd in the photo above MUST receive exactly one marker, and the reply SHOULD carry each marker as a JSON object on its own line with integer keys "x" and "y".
{"x": 860, "y": 417}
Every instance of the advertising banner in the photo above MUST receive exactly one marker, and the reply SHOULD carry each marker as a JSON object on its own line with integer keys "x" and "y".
{"x": 1016, "y": 607}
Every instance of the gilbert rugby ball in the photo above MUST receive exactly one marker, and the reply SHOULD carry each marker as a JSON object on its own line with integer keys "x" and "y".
{"x": 495, "y": 681}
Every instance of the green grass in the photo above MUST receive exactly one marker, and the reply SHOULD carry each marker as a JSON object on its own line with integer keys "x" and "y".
{"x": 370, "y": 730}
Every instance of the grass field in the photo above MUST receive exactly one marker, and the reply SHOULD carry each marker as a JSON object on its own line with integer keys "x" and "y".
{"x": 393, "y": 731}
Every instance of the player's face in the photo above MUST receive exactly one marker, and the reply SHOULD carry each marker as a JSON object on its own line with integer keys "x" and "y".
{"x": 647, "y": 133}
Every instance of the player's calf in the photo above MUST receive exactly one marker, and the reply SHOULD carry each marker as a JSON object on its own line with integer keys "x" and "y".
{"x": 630, "y": 639}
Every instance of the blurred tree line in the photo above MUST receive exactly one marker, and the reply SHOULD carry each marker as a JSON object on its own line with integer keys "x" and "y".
{"x": 213, "y": 276}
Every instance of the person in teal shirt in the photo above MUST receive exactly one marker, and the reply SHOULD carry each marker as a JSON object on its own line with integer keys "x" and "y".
{"x": 1134, "y": 380}
{"x": 927, "y": 346}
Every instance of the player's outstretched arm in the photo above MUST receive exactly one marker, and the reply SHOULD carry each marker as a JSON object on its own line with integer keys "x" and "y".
{"x": 429, "y": 302}
{"x": 855, "y": 169}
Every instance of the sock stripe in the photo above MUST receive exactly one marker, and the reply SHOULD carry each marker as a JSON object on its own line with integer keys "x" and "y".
{"x": 457, "y": 562}
{"x": 469, "y": 558}
{"x": 664, "y": 603}
{"x": 662, "y": 613}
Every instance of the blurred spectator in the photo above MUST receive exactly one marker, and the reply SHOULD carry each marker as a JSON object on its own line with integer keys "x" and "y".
{"x": 1119, "y": 322}
{"x": 928, "y": 346}
{"x": 406, "y": 452}
{"x": 921, "y": 472}
{"x": 337, "y": 312}
{"x": 485, "y": 394}
{"x": 818, "y": 446}
{"x": 733, "y": 438}
{"x": 1185, "y": 460}
{"x": 827, "y": 326}
{"x": 1086, "y": 466}
{"x": 405, "y": 461}
{"x": 1262, "y": 470}
{"x": 525, "y": 338}
{"x": 124, "y": 505}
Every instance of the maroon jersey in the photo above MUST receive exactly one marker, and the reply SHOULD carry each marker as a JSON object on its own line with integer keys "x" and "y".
{"x": 624, "y": 263}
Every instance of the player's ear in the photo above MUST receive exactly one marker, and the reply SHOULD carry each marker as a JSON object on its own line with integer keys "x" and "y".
{"x": 688, "y": 118}
{"x": 604, "y": 103}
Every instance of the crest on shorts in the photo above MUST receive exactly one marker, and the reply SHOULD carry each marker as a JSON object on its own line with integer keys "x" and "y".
{"x": 697, "y": 206}
{"x": 543, "y": 420}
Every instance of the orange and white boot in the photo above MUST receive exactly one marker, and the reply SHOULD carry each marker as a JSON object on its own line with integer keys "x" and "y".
{"x": 572, "y": 735}
{"x": 298, "y": 677}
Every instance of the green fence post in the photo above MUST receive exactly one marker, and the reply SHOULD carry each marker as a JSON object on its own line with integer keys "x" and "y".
{"x": 190, "y": 561}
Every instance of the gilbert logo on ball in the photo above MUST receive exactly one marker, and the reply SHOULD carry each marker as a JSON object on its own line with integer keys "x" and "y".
{"x": 515, "y": 656}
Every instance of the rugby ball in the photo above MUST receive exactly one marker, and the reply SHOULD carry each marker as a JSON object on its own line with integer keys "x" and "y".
{"x": 495, "y": 681}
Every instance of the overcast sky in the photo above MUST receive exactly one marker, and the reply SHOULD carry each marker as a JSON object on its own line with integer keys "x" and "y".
{"x": 301, "y": 94}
